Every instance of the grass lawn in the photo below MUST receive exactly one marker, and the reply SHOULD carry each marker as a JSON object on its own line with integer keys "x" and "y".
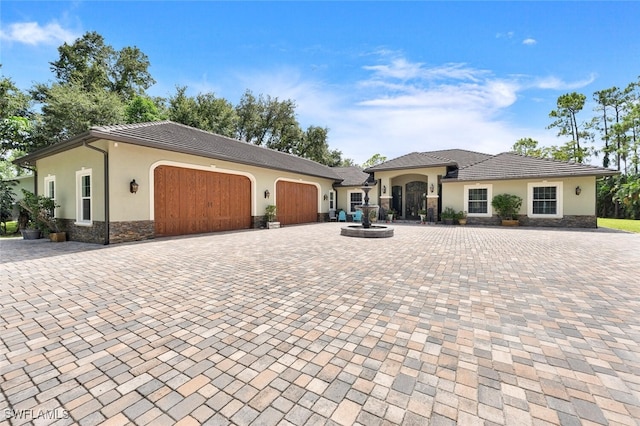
{"x": 629, "y": 225}
{"x": 11, "y": 228}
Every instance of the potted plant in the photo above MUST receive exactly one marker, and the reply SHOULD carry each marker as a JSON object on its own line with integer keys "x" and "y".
{"x": 462, "y": 218}
{"x": 448, "y": 215}
{"x": 31, "y": 232}
{"x": 41, "y": 214}
{"x": 507, "y": 207}
{"x": 423, "y": 215}
{"x": 270, "y": 216}
{"x": 390, "y": 214}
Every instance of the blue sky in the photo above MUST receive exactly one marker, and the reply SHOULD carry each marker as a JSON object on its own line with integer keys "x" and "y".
{"x": 384, "y": 77}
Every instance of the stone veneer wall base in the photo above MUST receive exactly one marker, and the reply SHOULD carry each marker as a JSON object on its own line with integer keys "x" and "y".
{"x": 258, "y": 222}
{"x": 565, "y": 222}
{"x": 120, "y": 232}
{"x": 93, "y": 233}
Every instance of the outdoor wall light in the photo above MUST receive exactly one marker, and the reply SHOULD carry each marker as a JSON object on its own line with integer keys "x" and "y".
{"x": 431, "y": 188}
{"x": 384, "y": 189}
{"x": 267, "y": 194}
{"x": 133, "y": 186}
{"x": 578, "y": 190}
{"x": 326, "y": 197}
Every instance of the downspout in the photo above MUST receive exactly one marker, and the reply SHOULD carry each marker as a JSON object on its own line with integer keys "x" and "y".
{"x": 106, "y": 189}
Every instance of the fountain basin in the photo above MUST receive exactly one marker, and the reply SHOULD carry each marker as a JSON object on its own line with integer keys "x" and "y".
{"x": 375, "y": 231}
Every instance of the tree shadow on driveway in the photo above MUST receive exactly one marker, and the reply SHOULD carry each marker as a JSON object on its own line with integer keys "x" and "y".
{"x": 18, "y": 250}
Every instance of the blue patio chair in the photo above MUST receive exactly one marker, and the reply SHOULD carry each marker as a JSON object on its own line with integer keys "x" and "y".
{"x": 357, "y": 216}
{"x": 342, "y": 216}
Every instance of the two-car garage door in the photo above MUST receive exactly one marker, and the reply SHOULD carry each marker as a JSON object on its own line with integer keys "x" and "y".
{"x": 296, "y": 202}
{"x": 189, "y": 201}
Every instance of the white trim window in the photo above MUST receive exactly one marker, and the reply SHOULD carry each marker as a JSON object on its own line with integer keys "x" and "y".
{"x": 84, "y": 200}
{"x": 355, "y": 199}
{"x": 545, "y": 200}
{"x": 332, "y": 203}
{"x": 50, "y": 188}
{"x": 477, "y": 200}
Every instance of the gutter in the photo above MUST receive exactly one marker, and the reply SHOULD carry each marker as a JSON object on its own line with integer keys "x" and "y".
{"x": 106, "y": 189}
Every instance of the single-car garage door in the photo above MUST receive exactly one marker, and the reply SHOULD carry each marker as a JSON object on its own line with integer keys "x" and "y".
{"x": 296, "y": 203}
{"x": 188, "y": 201}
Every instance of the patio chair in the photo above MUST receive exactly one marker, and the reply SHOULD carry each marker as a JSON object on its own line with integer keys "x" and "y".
{"x": 342, "y": 216}
{"x": 357, "y": 216}
{"x": 332, "y": 216}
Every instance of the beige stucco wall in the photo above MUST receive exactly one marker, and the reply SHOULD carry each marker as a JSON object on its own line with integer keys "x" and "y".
{"x": 343, "y": 195}
{"x": 64, "y": 167}
{"x": 402, "y": 177}
{"x": 22, "y": 182}
{"x": 129, "y": 162}
{"x": 583, "y": 204}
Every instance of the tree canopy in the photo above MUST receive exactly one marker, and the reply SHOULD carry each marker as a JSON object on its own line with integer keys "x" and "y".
{"x": 617, "y": 123}
{"x": 96, "y": 84}
{"x": 91, "y": 64}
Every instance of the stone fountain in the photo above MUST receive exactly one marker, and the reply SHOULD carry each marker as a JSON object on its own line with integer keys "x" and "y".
{"x": 367, "y": 230}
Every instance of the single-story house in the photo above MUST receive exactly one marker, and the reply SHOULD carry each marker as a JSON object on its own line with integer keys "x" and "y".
{"x": 138, "y": 181}
{"x": 554, "y": 193}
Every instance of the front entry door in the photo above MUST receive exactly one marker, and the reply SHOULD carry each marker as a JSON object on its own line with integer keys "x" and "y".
{"x": 396, "y": 202}
{"x": 415, "y": 199}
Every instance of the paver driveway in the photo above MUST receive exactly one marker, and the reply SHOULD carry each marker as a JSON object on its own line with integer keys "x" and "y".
{"x": 436, "y": 325}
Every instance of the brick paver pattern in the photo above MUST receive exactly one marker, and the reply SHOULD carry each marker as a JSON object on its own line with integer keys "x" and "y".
{"x": 437, "y": 325}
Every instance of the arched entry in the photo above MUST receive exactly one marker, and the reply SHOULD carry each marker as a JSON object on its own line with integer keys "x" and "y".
{"x": 414, "y": 199}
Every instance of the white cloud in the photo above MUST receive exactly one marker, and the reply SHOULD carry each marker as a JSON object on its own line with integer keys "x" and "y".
{"x": 33, "y": 33}
{"x": 402, "y": 106}
{"x": 529, "y": 41}
{"x": 508, "y": 34}
{"x": 556, "y": 83}
{"x": 401, "y": 69}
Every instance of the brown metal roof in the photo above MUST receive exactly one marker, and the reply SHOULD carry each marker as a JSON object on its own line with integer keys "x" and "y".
{"x": 514, "y": 166}
{"x": 177, "y": 137}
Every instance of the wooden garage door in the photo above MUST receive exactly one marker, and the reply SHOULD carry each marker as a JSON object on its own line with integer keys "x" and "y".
{"x": 191, "y": 201}
{"x": 296, "y": 203}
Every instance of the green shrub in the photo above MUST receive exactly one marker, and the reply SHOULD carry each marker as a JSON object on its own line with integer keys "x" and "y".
{"x": 507, "y": 206}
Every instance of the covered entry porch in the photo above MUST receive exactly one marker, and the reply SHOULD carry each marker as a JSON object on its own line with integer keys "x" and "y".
{"x": 412, "y": 194}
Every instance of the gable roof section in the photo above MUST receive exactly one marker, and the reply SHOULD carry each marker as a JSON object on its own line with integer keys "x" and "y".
{"x": 177, "y": 137}
{"x": 352, "y": 176}
{"x": 446, "y": 157}
{"x": 462, "y": 157}
{"x": 413, "y": 160}
{"x": 514, "y": 166}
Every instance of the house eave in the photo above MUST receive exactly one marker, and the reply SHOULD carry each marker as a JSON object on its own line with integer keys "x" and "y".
{"x": 94, "y": 135}
{"x": 531, "y": 177}
{"x": 31, "y": 158}
{"x": 424, "y": 166}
